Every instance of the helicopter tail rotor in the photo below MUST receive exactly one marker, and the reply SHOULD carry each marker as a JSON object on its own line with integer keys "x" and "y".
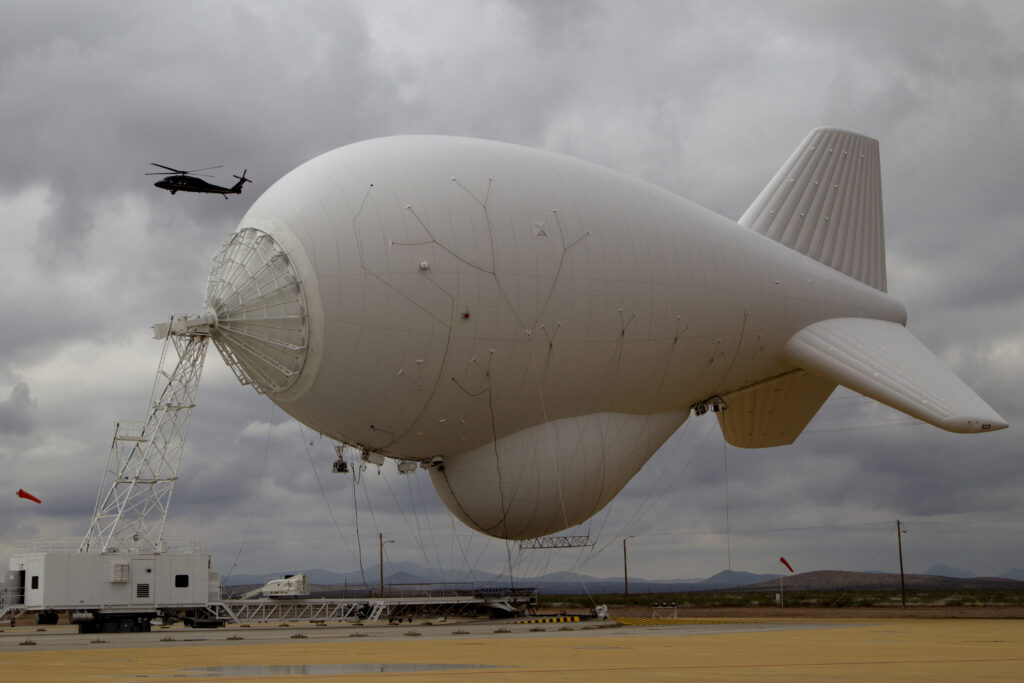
{"x": 242, "y": 180}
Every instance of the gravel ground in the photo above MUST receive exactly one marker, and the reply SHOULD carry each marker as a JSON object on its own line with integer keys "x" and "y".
{"x": 911, "y": 612}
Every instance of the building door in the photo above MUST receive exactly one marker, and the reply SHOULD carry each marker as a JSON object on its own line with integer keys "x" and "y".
{"x": 143, "y": 582}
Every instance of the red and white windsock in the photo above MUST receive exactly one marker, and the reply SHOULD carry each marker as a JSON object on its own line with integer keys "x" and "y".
{"x": 783, "y": 561}
{"x": 22, "y": 493}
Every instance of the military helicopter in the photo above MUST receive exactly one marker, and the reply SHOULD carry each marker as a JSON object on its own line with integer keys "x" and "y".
{"x": 184, "y": 181}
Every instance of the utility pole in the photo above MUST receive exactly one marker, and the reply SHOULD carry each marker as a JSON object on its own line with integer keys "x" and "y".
{"x": 899, "y": 540}
{"x": 382, "y": 542}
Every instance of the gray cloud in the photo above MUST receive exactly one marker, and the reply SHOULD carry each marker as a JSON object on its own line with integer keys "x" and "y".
{"x": 705, "y": 100}
{"x": 19, "y": 414}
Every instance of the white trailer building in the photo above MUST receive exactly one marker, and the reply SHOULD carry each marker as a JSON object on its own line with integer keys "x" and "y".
{"x": 112, "y": 591}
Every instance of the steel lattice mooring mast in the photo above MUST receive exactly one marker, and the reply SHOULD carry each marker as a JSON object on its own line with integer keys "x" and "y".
{"x": 256, "y": 317}
{"x": 124, "y": 572}
{"x": 135, "y": 494}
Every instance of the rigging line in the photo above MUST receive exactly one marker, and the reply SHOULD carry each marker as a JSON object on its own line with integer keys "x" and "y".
{"x": 359, "y": 540}
{"x": 530, "y": 568}
{"x": 473, "y": 565}
{"x": 859, "y": 426}
{"x": 588, "y": 553}
{"x": 373, "y": 516}
{"x": 426, "y": 517}
{"x": 509, "y": 566}
{"x": 739, "y": 345}
{"x": 666, "y": 360}
{"x": 369, "y": 505}
{"x": 853, "y": 400}
{"x": 480, "y": 556}
{"x": 538, "y": 561}
{"x": 323, "y": 494}
{"x": 628, "y": 526}
{"x": 695, "y": 532}
{"x": 652, "y": 498}
{"x": 549, "y": 427}
{"x": 534, "y": 563}
{"x": 499, "y": 577}
{"x": 761, "y": 530}
{"x": 453, "y": 542}
{"x": 654, "y": 495}
{"x": 591, "y": 551}
{"x": 256, "y": 495}
{"x": 654, "y": 492}
{"x": 583, "y": 584}
{"x": 593, "y": 601}
{"x": 413, "y": 532}
{"x": 948, "y": 522}
{"x": 416, "y": 518}
{"x": 501, "y": 484}
{"x": 497, "y": 458}
{"x": 614, "y": 362}
{"x": 912, "y": 539}
{"x": 511, "y": 576}
{"x": 728, "y": 537}
{"x": 614, "y": 366}
{"x": 457, "y": 542}
{"x": 881, "y": 545}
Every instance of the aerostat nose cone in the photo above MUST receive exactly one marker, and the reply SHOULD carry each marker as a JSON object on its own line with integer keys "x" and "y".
{"x": 262, "y": 329}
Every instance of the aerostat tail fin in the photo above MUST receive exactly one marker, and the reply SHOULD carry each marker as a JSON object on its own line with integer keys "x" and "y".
{"x": 884, "y": 361}
{"x": 826, "y": 203}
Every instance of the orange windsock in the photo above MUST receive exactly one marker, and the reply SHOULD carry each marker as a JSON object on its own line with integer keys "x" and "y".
{"x": 783, "y": 561}
{"x": 22, "y": 493}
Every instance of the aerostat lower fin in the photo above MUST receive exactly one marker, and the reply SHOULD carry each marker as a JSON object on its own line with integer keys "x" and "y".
{"x": 884, "y": 361}
{"x": 774, "y": 412}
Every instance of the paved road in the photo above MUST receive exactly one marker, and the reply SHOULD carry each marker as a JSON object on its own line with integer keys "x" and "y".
{"x": 766, "y": 650}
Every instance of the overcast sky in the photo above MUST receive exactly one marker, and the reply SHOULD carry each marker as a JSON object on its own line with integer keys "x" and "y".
{"x": 706, "y": 99}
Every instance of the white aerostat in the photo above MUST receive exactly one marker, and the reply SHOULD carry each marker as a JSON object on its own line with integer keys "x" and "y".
{"x": 532, "y": 327}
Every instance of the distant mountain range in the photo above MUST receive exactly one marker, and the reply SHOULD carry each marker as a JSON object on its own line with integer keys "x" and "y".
{"x": 946, "y": 570}
{"x": 411, "y": 576}
{"x": 836, "y": 580}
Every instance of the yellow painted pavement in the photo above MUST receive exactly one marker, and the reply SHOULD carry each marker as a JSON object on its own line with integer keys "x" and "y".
{"x": 890, "y": 649}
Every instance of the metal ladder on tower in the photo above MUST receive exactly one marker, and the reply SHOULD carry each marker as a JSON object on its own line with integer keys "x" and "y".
{"x": 142, "y": 466}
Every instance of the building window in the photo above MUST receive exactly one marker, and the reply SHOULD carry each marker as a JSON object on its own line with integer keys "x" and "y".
{"x": 181, "y": 580}
{"x": 35, "y": 583}
{"x": 119, "y": 573}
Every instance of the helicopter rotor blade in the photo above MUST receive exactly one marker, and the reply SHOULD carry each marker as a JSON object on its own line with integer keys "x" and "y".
{"x": 172, "y": 170}
{"x": 188, "y": 173}
{"x": 180, "y": 172}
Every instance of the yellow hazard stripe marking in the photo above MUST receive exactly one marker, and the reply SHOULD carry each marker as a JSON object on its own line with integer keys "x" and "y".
{"x": 548, "y": 620}
{"x": 668, "y": 621}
